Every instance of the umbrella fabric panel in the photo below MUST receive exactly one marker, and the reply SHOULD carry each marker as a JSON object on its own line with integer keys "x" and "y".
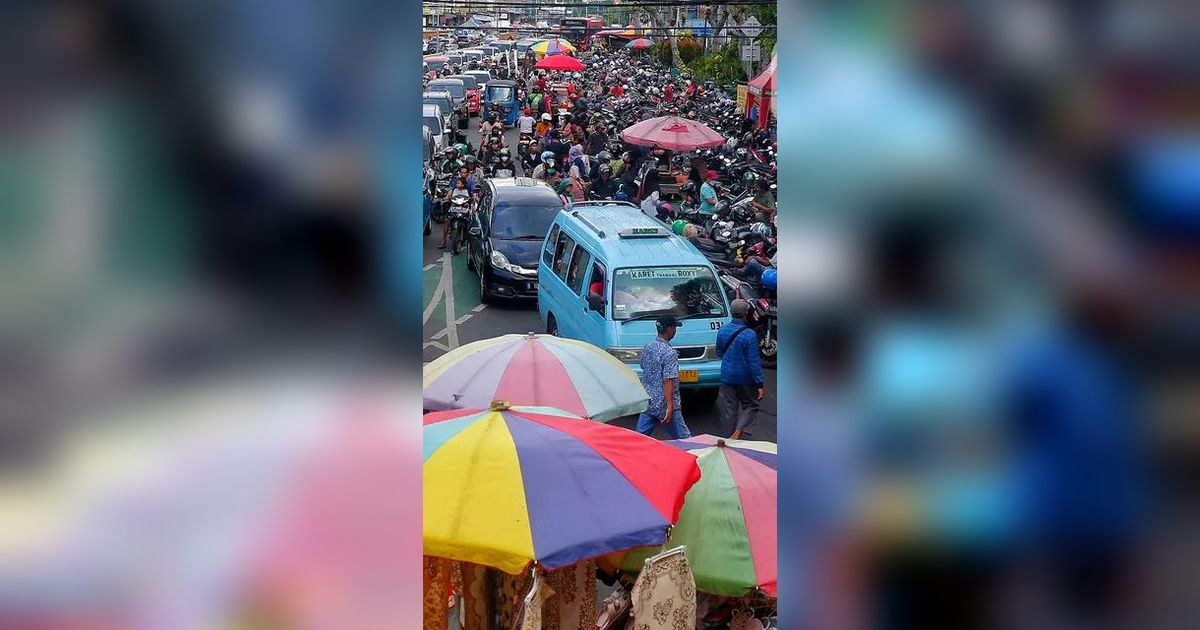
{"x": 672, "y": 132}
{"x": 535, "y": 374}
{"x": 653, "y": 471}
{"x": 480, "y": 469}
{"x": 571, "y": 492}
{"x": 714, "y": 531}
{"x": 600, "y": 389}
{"x": 478, "y": 372}
{"x": 435, "y": 435}
{"x": 756, "y": 488}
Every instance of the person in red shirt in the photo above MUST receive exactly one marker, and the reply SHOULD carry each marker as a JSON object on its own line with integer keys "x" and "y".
{"x": 669, "y": 92}
{"x": 616, "y": 90}
{"x": 542, "y": 82}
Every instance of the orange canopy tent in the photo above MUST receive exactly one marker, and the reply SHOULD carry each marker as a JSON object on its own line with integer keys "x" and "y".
{"x": 761, "y": 92}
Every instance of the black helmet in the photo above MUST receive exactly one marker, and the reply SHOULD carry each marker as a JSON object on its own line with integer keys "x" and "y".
{"x": 605, "y": 169}
{"x": 688, "y": 186}
{"x": 494, "y": 115}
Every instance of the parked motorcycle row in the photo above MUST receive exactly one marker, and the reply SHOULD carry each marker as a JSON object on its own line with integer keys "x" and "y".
{"x": 619, "y": 89}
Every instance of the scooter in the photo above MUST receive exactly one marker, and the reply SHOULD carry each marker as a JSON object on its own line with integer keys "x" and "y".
{"x": 459, "y": 211}
{"x": 763, "y": 316}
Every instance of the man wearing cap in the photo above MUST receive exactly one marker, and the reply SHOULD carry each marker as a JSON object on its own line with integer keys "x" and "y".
{"x": 660, "y": 377}
{"x": 708, "y": 193}
{"x": 741, "y": 372}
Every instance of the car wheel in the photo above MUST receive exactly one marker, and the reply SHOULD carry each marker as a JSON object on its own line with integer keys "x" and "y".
{"x": 551, "y": 325}
{"x": 484, "y": 298}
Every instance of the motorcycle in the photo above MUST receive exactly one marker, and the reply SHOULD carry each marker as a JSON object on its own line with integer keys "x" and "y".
{"x": 763, "y": 316}
{"x": 459, "y": 211}
{"x": 439, "y": 206}
{"x": 523, "y": 144}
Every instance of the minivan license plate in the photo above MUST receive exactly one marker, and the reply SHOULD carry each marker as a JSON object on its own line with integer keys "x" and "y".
{"x": 689, "y": 376}
{"x": 531, "y": 286}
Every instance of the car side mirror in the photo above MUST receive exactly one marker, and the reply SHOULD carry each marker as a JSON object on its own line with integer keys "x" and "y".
{"x": 476, "y": 232}
{"x": 595, "y": 302}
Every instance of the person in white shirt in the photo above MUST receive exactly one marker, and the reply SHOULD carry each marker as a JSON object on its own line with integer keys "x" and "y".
{"x": 525, "y": 122}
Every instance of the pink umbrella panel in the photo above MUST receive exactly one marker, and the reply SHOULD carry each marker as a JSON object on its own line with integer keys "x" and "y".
{"x": 672, "y": 133}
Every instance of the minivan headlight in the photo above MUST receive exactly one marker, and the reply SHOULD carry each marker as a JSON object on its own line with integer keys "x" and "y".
{"x": 626, "y": 355}
{"x": 500, "y": 261}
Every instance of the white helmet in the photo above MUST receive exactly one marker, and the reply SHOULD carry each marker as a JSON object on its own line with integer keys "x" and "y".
{"x": 546, "y": 116}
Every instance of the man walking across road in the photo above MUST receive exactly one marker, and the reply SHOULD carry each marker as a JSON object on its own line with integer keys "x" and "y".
{"x": 660, "y": 377}
{"x": 741, "y": 372}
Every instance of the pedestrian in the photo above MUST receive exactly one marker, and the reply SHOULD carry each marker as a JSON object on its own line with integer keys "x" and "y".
{"x": 741, "y": 372}
{"x": 708, "y": 193}
{"x": 660, "y": 377}
{"x": 598, "y": 140}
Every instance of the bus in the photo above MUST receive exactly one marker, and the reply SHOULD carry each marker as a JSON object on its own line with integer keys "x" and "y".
{"x": 579, "y": 30}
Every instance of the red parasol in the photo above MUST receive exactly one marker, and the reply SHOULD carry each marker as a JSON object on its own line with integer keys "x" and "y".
{"x": 672, "y": 132}
{"x": 560, "y": 62}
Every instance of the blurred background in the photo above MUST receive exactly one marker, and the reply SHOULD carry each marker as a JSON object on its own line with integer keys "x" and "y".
{"x": 207, "y": 212}
{"x": 992, "y": 314}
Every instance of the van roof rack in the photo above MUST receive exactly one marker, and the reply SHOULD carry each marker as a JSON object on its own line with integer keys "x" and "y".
{"x": 591, "y": 225}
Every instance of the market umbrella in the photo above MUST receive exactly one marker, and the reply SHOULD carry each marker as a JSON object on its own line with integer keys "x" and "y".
{"x": 506, "y": 486}
{"x": 553, "y": 47}
{"x": 672, "y": 132}
{"x": 534, "y": 369}
{"x": 640, "y": 43}
{"x": 559, "y": 62}
{"x": 435, "y": 58}
{"x": 728, "y": 518}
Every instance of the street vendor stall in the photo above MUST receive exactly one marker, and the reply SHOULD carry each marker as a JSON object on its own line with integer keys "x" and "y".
{"x": 761, "y": 94}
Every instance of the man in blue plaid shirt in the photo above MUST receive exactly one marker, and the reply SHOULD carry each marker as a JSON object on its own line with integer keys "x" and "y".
{"x": 660, "y": 377}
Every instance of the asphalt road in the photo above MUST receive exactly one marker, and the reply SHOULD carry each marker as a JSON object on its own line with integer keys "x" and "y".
{"x": 452, "y": 315}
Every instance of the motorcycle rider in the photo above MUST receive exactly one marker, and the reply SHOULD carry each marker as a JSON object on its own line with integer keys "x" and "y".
{"x": 526, "y": 122}
{"x": 548, "y": 163}
{"x": 504, "y": 162}
{"x": 533, "y": 157}
{"x": 459, "y": 189}
{"x": 604, "y": 187}
{"x": 763, "y": 201}
{"x": 544, "y": 127}
{"x": 490, "y": 124}
{"x": 450, "y": 163}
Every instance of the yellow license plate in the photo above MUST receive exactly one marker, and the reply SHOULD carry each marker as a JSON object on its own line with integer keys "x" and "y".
{"x": 689, "y": 376}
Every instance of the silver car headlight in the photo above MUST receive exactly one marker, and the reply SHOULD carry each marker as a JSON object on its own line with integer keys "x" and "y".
{"x": 626, "y": 355}
{"x": 500, "y": 261}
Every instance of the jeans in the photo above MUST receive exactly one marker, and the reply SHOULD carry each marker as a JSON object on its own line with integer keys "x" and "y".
{"x": 677, "y": 428}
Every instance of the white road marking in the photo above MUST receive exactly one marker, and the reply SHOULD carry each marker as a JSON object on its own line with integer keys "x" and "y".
{"x": 442, "y": 333}
{"x": 448, "y": 295}
{"x": 429, "y": 266}
{"x": 479, "y": 308}
{"x": 433, "y": 344}
{"x": 433, "y": 301}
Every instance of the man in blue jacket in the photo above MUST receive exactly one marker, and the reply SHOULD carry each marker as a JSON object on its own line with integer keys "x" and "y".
{"x": 741, "y": 372}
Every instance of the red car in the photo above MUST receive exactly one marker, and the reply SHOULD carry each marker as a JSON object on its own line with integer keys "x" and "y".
{"x": 474, "y": 93}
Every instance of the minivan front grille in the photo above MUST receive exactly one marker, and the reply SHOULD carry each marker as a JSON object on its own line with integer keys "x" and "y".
{"x": 691, "y": 353}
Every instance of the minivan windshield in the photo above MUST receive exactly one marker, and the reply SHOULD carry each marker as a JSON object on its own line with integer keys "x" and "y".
{"x": 500, "y": 93}
{"x": 434, "y": 123}
{"x": 468, "y": 81}
{"x": 438, "y": 102}
{"x": 649, "y": 291}
{"x": 525, "y": 222}
{"x": 454, "y": 87}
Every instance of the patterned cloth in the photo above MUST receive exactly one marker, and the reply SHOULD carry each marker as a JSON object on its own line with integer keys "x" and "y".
{"x": 531, "y": 616}
{"x": 659, "y": 362}
{"x": 475, "y": 612}
{"x": 436, "y": 583}
{"x": 664, "y": 596}
{"x": 572, "y": 598}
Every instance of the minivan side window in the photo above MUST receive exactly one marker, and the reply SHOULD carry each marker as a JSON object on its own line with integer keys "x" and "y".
{"x": 551, "y": 240}
{"x": 562, "y": 253}
{"x": 576, "y": 270}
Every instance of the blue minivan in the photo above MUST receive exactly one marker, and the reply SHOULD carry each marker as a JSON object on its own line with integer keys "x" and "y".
{"x": 607, "y": 272}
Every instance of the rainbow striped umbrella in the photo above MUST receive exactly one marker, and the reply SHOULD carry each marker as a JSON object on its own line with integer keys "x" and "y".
{"x": 728, "y": 519}
{"x": 553, "y": 47}
{"x": 530, "y": 369}
{"x": 506, "y": 486}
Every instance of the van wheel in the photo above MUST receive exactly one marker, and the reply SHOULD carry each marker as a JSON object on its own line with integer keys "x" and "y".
{"x": 551, "y": 325}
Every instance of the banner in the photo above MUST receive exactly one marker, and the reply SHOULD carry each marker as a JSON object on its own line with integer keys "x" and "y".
{"x": 741, "y": 98}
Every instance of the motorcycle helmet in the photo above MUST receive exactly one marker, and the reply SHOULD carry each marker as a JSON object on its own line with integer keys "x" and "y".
{"x": 550, "y": 163}
{"x": 547, "y": 155}
{"x": 451, "y": 153}
{"x": 546, "y": 117}
{"x": 770, "y": 279}
{"x": 605, "y": 169}
{"x": 528, "y": 111}
{"x": 462, "y": 149}
{"x": 750, "y": 177}
{"x": 494, "y": 116}
{"x": 470, "y": 159}
{"x": 604, "y": 156}
{"x": 688, "y": 187}
{"x": 505, "y": 152}
{"x": 678, "y": 226}
{"x": 621, "y": 196}
{"x": 741, "y": 153}
{"x": 761, "y": 229}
